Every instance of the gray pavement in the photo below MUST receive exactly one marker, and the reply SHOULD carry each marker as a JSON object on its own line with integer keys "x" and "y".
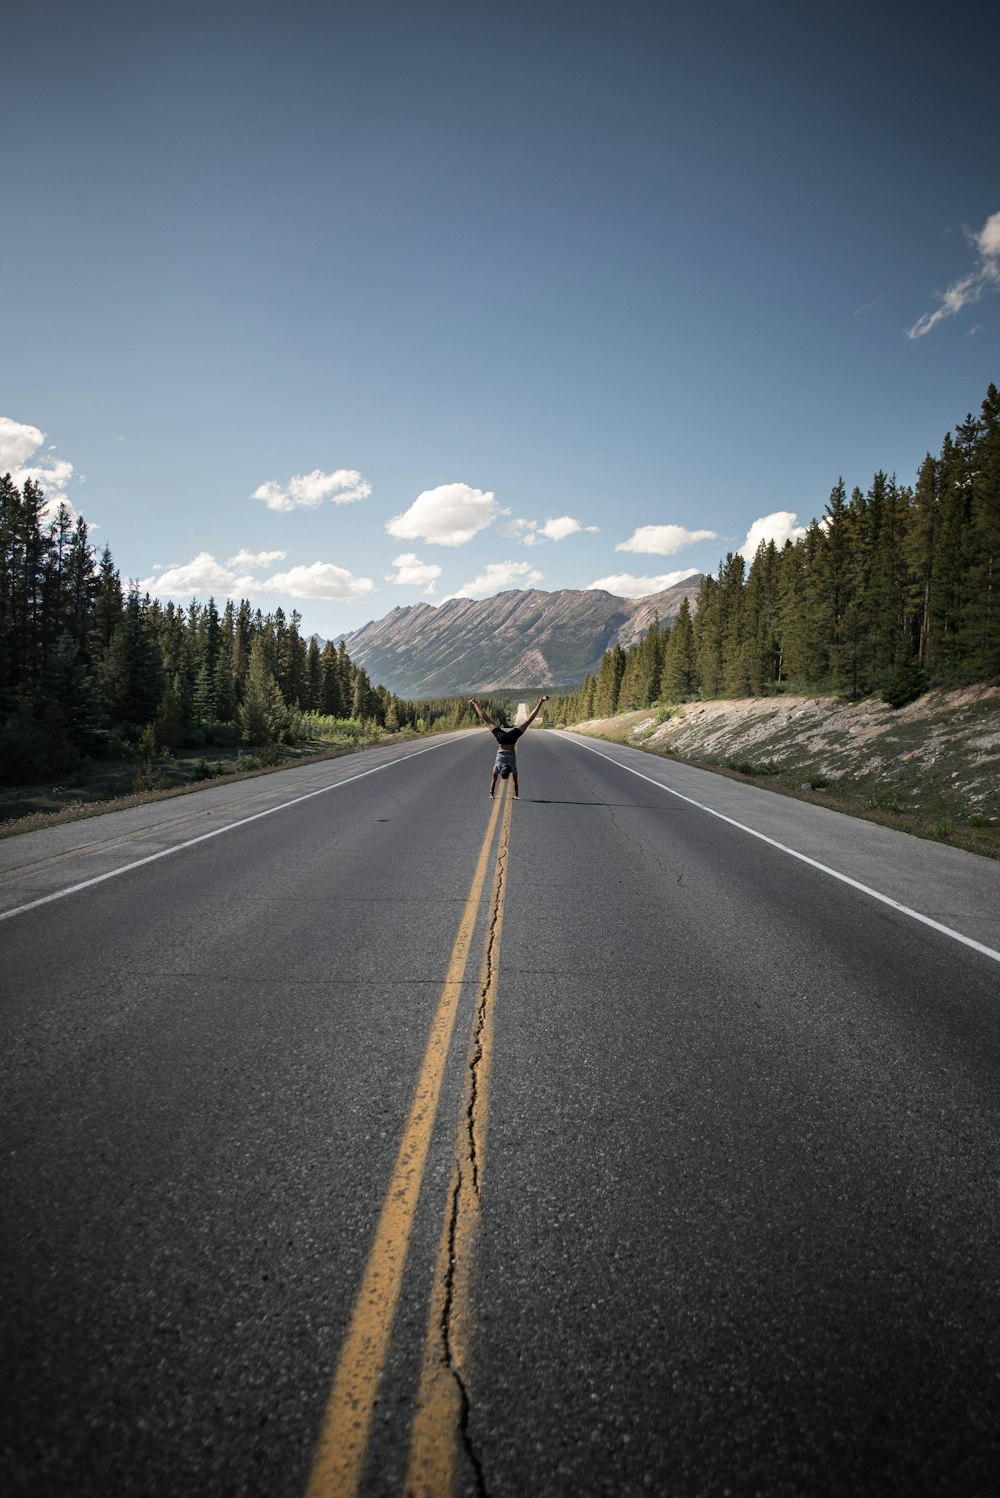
{"x": 959, "y": 889}
{"x": 739, "y": 1221}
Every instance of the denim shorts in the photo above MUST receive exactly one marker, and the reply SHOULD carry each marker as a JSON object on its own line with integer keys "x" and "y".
{"x": 506, "y": 760}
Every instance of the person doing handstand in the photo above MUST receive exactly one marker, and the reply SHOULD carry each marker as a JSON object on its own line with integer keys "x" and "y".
{"x": 506, "y": 761}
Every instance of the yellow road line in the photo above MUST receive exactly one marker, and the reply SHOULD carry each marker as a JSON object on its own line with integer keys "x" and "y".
{"x": 442, "y": 1396}
{"x": 340, "y": 1453}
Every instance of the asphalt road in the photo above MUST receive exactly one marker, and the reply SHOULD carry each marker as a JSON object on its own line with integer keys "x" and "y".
{"x": 588, "y": 1145}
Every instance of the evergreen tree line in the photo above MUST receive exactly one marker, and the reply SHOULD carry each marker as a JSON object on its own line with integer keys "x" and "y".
{"x": 89, "y": 667}
{"x": 895, "y": 589}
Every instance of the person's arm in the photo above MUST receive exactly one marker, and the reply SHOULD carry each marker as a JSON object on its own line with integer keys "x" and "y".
{"x": 488, "y": 721}
{"x": 534, "y": 715}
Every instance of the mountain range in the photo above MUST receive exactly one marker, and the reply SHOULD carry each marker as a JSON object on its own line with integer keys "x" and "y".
{"x": 514, "y": 641}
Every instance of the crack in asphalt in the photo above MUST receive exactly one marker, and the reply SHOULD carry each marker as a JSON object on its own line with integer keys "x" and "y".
{"x": 465, "y": 1402}
{"x": 466, "y": 1193}
{"x": 644, "y": 852}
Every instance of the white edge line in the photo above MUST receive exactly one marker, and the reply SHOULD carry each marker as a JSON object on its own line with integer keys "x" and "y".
{"x": 823, "y": 868}
{"x": 203, "y": 837}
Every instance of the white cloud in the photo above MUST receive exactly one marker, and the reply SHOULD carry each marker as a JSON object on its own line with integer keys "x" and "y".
{"x": 988, "y": 238}
{"x": 246, "y": 558}
{"x": 320, "y": 580}
{"x": 560, "y": 528}
{"x": 53, "y": 475}
{"x": 203, "y": 575}
{"x": 627, "y": 585}
{"x": 411, "y": 572}
{"x": 17, "y": 442}
{"x": 969, "y": 288}
{"x": 497, "y": 577}
{"x": 663, "y": 540}
{"x": 779, "y": 528}
{"x": 449, "y": 515}
{"x": 530, "y": 533}
{"x": 307, "y": 490}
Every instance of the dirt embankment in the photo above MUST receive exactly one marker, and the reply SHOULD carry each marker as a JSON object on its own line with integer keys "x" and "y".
{"x": 931, "y": 768}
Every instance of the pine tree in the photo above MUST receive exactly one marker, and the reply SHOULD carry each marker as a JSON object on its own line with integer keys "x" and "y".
{"x": 609, "y": 679}
{"x": 982, "y": 615}
{"x": 761, "y": 648}
{"x": 834, "y": 571}
{"x": 313, "y": 692}
{"x": 224, "y": 684}
{"x": 920, "y": 554}
{"x": 80, "y": 584}
{"x": 677, "y": 678}
{"x": 108, "y": 606}
{"x": 803, "y": 658}
{"x": 24, "y": 552}
{"x": 262, "y": 713}
{"x": 333, "y": 698}
{"x": 130, "y": 672}
{"x": 708, "y": 637}
{"x": 242, "y": 641}
{"x": 68, "y": 710}
{"x": 203, "y": 701}
{"x": 734, "y": 641}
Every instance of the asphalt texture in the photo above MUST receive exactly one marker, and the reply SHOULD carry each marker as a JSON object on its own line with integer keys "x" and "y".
{"x": 740, "y": 1228}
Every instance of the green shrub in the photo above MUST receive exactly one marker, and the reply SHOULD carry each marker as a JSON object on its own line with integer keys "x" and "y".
{"x": 904, "y": 684}
{"x": 149, "y": 779}
{"x": 204, "y": 771}
{"x": 747, "y": 767}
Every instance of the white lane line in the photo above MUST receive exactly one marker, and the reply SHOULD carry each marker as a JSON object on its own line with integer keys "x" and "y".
{"x": 925, "y": 920}
{"x": 203, "y": 837}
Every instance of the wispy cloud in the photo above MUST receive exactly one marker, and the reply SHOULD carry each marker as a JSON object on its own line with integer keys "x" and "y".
{"x": 497, "y": 577}
{"x": 627, "y": 585}
{"x": 307, "y": 490}
{"x": 411, "y": 572}
{"x": 663, "y": 540}
{"x": 985, "y": 276}
{"x": 449, "y": 515}
{"x": 778, "y": 527}
{"x": 530, "y": 533}
{"x": 256, "y": 558}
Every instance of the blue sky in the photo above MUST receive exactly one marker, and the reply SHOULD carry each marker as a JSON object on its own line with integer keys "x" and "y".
{"x": 353, "y": 305}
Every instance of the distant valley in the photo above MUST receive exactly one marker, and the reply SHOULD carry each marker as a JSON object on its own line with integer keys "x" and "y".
{"x": 513, "y": 641}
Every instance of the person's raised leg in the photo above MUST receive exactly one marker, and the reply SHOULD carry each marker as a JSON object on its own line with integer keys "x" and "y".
{"x": 513, "y": 776}
{"x": 493, "y": 784}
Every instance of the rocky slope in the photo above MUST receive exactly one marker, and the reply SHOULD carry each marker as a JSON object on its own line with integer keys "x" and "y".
{"x": 514, "y": 641}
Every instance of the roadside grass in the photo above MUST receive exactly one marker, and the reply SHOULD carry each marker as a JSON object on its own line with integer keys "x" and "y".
{"x": 114, "y": 785}
{"x": 931, "y": 769}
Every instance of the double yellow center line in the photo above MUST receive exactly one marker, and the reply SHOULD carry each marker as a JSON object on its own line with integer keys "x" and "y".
{"x": 439, "y": 1418}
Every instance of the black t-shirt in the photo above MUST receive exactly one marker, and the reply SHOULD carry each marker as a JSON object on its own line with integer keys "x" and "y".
{"x": 506, "y": 737}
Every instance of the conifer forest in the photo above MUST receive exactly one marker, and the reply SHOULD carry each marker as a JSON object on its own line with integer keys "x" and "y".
{"x": 893, "y": 590}
{"x": 91, "y": 669}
